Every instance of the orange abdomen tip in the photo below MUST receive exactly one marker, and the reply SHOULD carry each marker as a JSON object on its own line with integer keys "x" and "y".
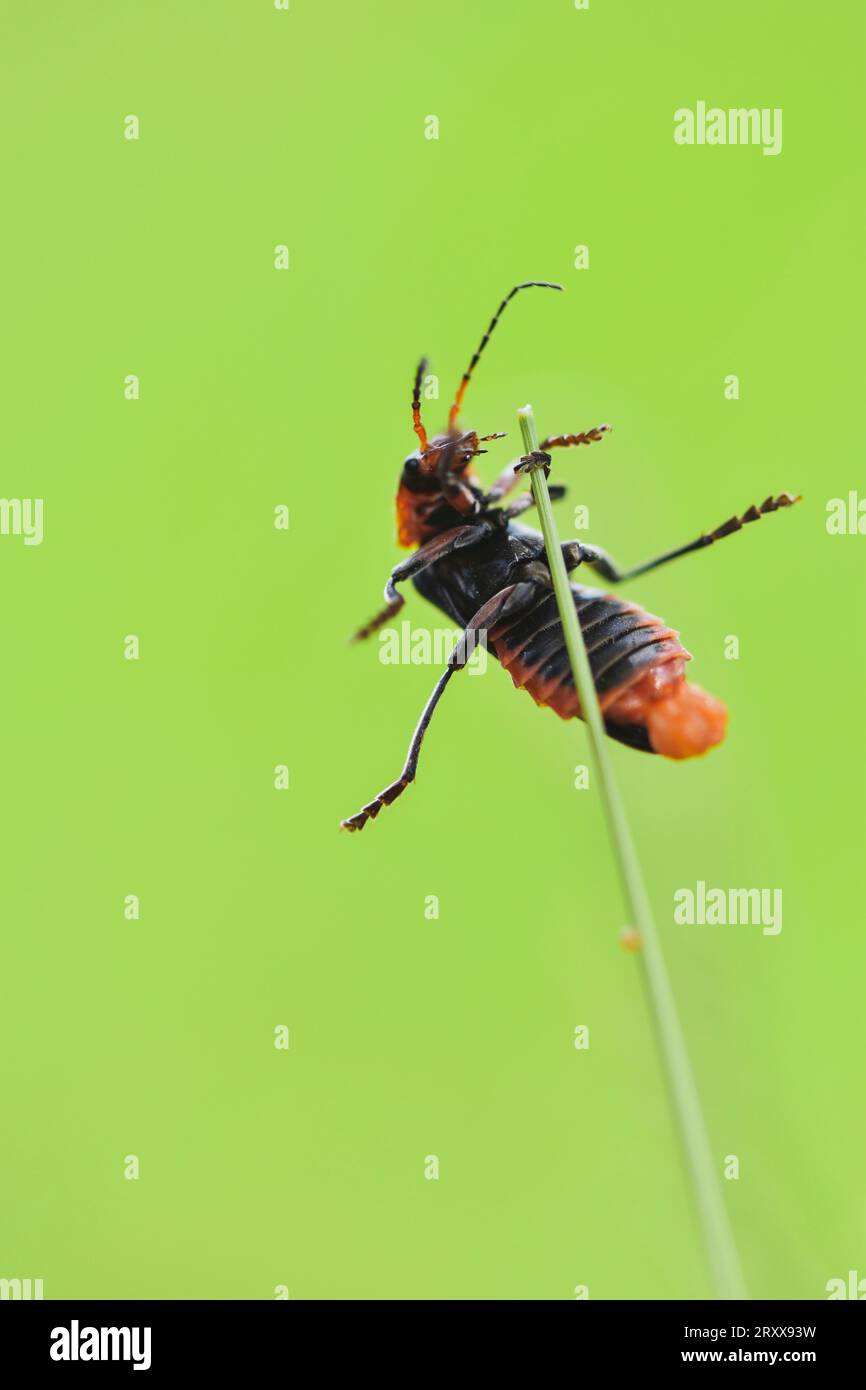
{"x": 686, "y": 721}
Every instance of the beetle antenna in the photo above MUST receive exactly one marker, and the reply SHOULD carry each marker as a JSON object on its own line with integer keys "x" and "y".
{"x": 416, "y": 404}
{"x": 461, "y": 389}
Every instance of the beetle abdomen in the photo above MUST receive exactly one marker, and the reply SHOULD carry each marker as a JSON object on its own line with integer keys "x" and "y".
{"x": 637, "y": 664}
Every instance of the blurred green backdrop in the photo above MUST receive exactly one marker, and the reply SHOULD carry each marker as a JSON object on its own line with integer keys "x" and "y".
{"x": 410, "y": 1037}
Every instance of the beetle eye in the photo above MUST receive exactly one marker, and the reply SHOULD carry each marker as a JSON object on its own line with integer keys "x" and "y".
{"x": 413, "y": 474}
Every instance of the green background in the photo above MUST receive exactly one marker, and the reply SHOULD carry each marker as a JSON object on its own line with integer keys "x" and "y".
{"x": 412, "y": 1037}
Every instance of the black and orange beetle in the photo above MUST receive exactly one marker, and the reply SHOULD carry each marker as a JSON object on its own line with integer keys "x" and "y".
{"x": 489, "y": 574}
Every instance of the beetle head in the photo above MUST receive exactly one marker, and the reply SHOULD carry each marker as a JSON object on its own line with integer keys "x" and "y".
{"x": 435, "y": 480}
{"x": 438, "y": 478}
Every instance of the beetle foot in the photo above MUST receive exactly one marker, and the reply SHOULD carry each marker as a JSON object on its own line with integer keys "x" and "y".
{"x": 537, "y": 459}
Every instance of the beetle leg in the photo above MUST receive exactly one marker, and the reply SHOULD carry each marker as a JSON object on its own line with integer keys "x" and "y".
{"x": 605, "y": 565}
{"x": 506, "y": 604}
{"x": 574, "y": 553}
{"x": 407, "y": 776}
{"x": 508, "y": 481}
{"x": 518, "y": 507}
{"x": 505, "y": 483}
{"x": 425, "y": 555}
{"x": 526, "y": 500}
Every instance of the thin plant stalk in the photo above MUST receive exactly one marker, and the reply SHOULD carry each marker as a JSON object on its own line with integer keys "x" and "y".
{"x": 715, "y": 1227}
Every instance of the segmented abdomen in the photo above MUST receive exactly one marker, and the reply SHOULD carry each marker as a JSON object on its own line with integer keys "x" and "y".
{"x": 625, "y": 644}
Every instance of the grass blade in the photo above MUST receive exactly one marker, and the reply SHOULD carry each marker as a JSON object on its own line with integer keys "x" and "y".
{"x": 688, "y": 1115}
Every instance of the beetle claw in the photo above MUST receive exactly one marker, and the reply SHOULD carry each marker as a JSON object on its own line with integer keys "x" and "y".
{"x": 537, "y": 459}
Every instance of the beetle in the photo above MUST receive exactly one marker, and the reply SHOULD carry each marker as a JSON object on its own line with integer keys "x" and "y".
{"x": 489, "y": 573}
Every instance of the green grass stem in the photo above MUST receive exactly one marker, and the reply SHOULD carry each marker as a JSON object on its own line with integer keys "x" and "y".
{"x": 700, "y": 1164}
